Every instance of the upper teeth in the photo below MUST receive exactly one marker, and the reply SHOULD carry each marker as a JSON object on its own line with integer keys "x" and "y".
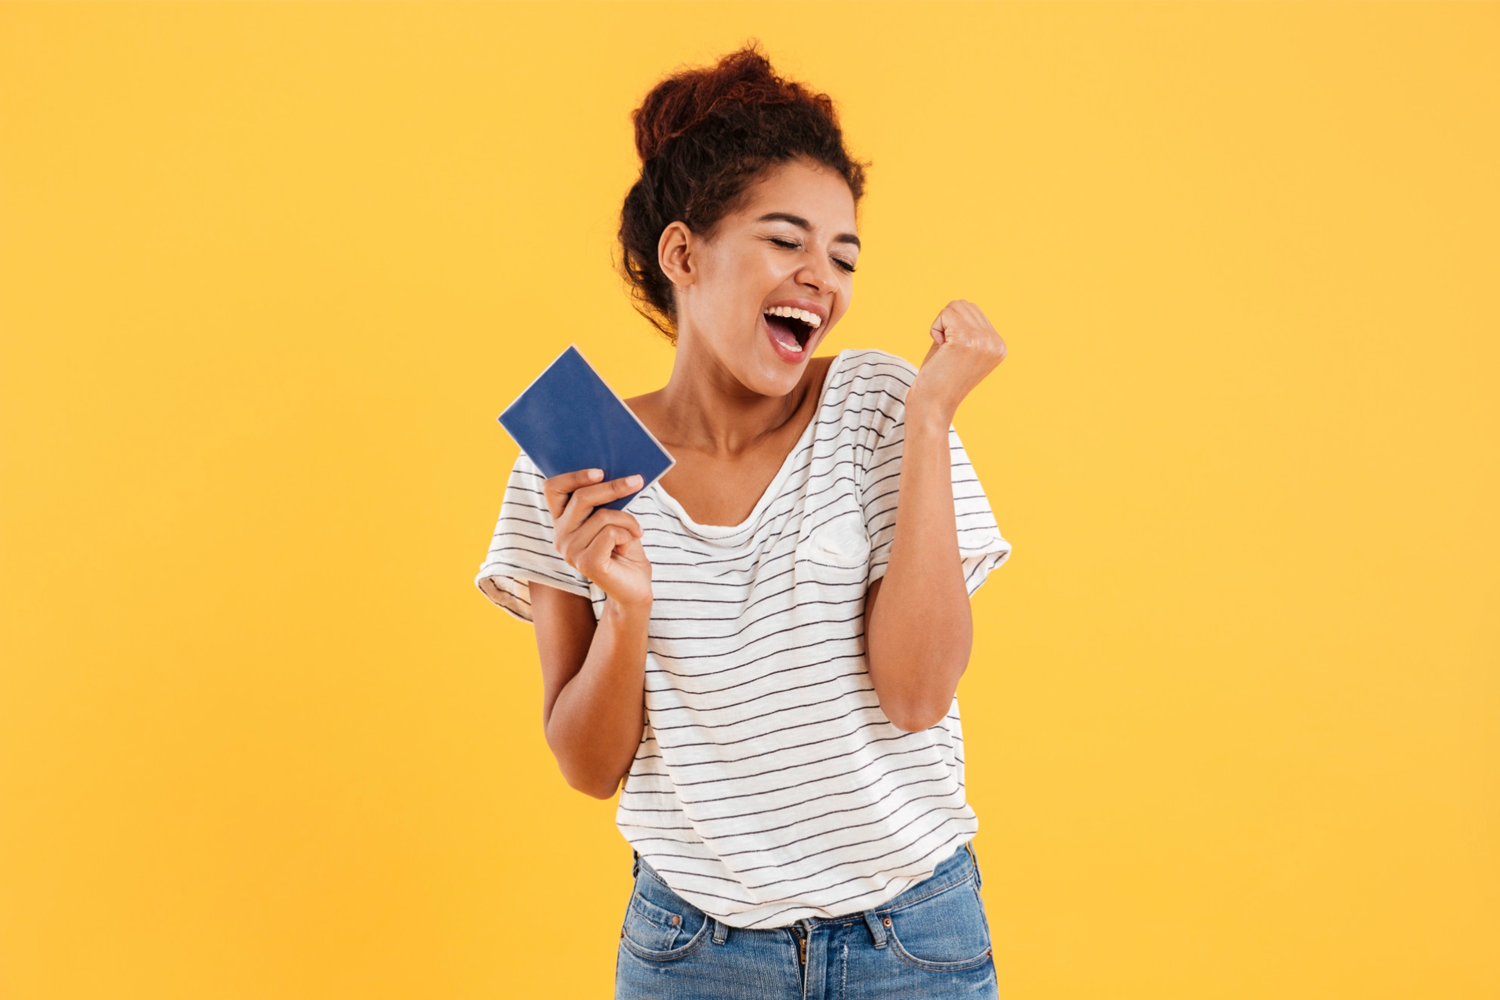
{"x": 810, "y": 318}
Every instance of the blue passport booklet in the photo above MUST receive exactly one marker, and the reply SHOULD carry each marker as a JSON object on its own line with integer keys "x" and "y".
{"x": 569, "y": 418}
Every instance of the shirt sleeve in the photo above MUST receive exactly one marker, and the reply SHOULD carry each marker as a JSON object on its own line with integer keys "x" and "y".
{"x": 981, "y": 547}
{"x": 521, "y": 550}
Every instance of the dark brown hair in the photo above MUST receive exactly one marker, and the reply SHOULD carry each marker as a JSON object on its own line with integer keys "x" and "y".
{"x": 703, "y": 135}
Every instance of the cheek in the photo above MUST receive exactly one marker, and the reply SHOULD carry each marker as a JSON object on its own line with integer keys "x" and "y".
{"x": 744, "y": 286}
{"x": 843, "y": 308}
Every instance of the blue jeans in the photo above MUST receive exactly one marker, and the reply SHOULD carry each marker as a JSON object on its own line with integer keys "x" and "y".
{"x": 931, "y": 941}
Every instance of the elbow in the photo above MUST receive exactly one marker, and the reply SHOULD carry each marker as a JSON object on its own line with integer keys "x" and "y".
{"x": 914, "y": 711}
{"x": 599, "y": 791}
{"x": 592, "y": 785}
{"x": 584, "y": 773}
{"x": 919, "y": 700}
{"x": 915, "y": 718}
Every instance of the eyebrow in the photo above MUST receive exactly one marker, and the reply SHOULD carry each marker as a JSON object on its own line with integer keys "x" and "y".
{"x": 798, "y": 220}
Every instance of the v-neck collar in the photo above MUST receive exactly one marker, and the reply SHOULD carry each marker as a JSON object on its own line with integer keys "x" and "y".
{"x": 773, "y": 489}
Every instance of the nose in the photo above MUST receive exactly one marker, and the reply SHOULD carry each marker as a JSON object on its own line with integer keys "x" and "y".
{"x": 821, "y": 278}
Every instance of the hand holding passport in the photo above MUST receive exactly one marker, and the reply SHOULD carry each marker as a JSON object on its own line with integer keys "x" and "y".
{"x": 569, "y": 418}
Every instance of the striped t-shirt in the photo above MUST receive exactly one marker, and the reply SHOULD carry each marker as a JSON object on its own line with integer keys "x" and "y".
{"x": 769, "y": 786}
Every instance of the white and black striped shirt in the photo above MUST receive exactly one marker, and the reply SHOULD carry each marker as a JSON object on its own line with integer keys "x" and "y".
{"x": 769, "y": 786}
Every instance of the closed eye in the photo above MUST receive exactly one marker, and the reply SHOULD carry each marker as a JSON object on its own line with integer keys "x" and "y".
{"x": 789, "y": 245}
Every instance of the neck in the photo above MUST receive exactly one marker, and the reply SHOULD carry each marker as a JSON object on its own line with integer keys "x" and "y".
{"x": 707, "y": 409}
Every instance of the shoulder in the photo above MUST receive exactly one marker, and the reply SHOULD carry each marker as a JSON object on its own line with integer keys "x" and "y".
{"x": 526, "y": 484}
{"x": 525, "y": 469}
{"x": 875, "y": 378}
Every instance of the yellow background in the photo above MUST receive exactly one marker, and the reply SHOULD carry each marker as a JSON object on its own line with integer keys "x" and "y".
{"x": 268, "y": 272}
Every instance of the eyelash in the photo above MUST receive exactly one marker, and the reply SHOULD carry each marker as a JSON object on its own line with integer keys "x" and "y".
{"x": 792, "y": 246}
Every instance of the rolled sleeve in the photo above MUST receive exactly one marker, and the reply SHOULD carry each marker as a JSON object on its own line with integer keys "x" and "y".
{"x": 521, "y": 550}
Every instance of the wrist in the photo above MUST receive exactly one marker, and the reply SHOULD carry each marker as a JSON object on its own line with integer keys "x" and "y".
{"x": 626, "y": 614}
{"x": 924, "y": 417}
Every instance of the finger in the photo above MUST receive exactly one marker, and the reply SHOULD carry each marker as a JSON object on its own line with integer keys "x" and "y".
{"x": 603, "y": 493}
{"x": 557, "y": 488}
{"x": 980, "y": 332}
{"x": 594, "y": 559}
{"x": 578, "y": 540}
{"x": 584, "y": 500}
{"x": 599, "y": 520}
{"x": 958, "y": 326}
{"x": 973, "y": 312}
{"x": 971, "y": 328}
{"x": 940, "y": 326}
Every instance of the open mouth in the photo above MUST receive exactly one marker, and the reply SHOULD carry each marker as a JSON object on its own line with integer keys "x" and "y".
{"x": 789, "y": 331}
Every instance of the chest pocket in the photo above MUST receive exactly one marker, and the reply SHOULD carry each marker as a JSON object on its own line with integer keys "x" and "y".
{"x": 833, "y": 546}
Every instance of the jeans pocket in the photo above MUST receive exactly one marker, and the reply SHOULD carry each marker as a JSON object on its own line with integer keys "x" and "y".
{"x": 659, "y": 925}
{"x": 945, "y": 932}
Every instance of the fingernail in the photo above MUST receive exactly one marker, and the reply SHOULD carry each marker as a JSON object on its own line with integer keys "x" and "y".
{"x": 596, "y": 473}
{"x": 633, "y": 482}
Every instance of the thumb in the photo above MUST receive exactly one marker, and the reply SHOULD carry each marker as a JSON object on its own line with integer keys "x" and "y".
{"x": 939, "y": 334}
{"x": 939, "y": 338}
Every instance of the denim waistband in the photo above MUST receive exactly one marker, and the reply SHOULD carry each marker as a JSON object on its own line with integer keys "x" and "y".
{"x": 962, "y": 864}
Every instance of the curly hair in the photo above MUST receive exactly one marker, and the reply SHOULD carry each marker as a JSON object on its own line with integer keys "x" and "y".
{"x": 703, "y": 135}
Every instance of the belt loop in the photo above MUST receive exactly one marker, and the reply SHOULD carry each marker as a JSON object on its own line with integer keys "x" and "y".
{"x": 721, "y": 931}
{"x": 635, "y": 864}
{"x": 978, "y": 878}
{"x": 877, "y": 929}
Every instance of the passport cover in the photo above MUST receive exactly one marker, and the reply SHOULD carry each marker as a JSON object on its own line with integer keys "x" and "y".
{"x": 569, "y": 418}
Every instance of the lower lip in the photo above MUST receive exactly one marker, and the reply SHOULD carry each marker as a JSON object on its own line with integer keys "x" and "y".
{"x": 790, "y": 357}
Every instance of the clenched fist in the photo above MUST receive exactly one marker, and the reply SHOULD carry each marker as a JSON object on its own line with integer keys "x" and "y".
{"x": 965, "y": 348}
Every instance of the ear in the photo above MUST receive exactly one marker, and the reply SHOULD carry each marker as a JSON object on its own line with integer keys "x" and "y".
{"x": 674, "y": 254}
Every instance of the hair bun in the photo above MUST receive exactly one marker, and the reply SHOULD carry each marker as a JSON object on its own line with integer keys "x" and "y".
{"x": 686, "y": 99}
{"x": 703, "y": 136}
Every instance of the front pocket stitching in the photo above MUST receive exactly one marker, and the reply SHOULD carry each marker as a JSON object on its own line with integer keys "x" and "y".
{"x": 960, "y": 965}
{"x": 922, "y": 963}
{"x": 652, "y": 911}
{"x": 692, "y": 945}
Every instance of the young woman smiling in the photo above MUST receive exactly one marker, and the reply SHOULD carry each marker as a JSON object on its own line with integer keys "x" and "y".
{"x": 765, "y": 646}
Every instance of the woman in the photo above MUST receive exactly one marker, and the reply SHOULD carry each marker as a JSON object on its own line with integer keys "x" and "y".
{"x": 764, "y": 647}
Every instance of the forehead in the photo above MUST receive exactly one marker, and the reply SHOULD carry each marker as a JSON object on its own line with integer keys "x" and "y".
{"x": 811, "y": 191}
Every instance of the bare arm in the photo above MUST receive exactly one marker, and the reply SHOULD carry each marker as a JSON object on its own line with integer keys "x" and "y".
{"x": 593, "y": 684}
{"x": 917, "y": 643}
{"x": 594, "y": 674}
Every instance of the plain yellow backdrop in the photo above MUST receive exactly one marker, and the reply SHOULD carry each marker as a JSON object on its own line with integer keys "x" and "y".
{"x": 268, "y": 273}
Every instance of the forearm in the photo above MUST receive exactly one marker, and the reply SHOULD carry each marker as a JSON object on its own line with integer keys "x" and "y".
{"x": 595, "y": 725}
{"x": 919, "y": 633}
